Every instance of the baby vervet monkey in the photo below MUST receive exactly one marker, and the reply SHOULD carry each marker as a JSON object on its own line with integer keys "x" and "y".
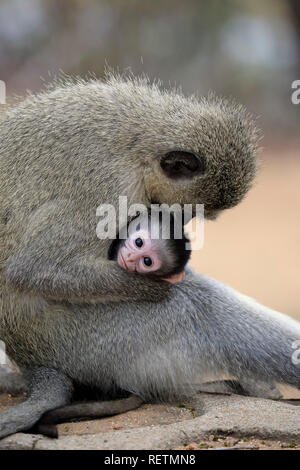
{"x": 154, "y": 247}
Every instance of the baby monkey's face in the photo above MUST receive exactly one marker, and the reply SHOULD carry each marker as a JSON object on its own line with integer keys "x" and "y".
{"x": 139, "y": 253}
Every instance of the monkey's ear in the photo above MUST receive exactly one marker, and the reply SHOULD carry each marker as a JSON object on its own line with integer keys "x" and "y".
{"x": 182, "y": 164}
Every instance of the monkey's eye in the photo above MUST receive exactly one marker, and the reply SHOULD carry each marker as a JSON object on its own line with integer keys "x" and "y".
{"x": 139, "y": 242}
{"x": 147, "y": 261}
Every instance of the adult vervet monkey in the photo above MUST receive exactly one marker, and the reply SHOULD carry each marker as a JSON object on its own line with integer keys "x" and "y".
{"x": 69, "y": 317}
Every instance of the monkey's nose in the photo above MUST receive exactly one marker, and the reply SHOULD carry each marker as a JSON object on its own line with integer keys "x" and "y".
{"x": 131, "y": 257}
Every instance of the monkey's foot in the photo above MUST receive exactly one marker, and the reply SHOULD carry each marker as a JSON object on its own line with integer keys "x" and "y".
{"x": 91, "y": 410}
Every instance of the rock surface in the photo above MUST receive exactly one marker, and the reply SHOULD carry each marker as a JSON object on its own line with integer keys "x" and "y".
{"x": 170, "y": 426}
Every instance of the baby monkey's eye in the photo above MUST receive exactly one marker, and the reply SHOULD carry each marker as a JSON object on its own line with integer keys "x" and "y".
{"x": 147, "y": 261}
{"x": 139, "y": 242}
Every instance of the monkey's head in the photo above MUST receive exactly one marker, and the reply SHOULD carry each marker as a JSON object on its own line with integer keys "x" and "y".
{"x": 197, "y": 152}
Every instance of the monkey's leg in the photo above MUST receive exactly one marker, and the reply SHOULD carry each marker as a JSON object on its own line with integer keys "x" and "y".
{"x": 244, "y": 338}
{"x": 83, "y": 411}
{"x": 48, "y": 389}
{"x": 12, "y": 382}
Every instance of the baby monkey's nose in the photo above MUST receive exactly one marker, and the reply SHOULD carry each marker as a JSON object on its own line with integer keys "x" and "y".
{"x": 131, "y": 257}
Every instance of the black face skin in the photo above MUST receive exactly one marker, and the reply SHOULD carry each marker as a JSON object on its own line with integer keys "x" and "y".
{"x": 163, "y": 259}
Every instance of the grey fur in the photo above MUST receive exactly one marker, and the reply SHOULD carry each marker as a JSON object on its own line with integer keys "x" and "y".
{"x": 63, "y": 153}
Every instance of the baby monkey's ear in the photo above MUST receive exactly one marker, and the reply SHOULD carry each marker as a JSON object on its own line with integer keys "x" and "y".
{"x": 182, "y": 164}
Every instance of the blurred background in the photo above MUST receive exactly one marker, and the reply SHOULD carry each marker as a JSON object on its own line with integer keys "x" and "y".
{"x": 249, "y": 50}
